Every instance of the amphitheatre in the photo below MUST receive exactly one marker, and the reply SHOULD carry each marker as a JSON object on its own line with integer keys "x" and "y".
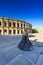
{"x": 10, "y": 54}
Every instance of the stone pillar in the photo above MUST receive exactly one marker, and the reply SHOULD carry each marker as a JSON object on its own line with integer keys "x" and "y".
{"x": 1, "y": 22}
{"x": 12, "y": 31}
{"x": 2, "y": 32}
{"x": 20, "y": 24}
{"x": 20, "y": 31}
{"x": 7, "y": 23}
{"x": 11, "y": 23}
{"x": 23, "y": 25}
{"x": 16, "y": 31}
{"x": 23, "y": 30}
{"x": 2, "y": 26}
{"x": 16, "y": 23}
{"x": 16, "y": 27}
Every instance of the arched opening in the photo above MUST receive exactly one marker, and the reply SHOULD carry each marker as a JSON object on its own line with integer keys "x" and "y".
{"x": 14, "y": 31}
{"x": 0, "y": 31}
{"x": 17, "y": 24}
{"x": 24, "y": 25}
{"x": 9, "y": 24}
{"x": 5, "y": 23}
{"x": 21, "y": 31}
{"x": 18, "y": 31}
{"x": 0, "y": 23}
{"x": 14, "y": 24}
{"x": 5, "y": 31}
{"x": 10, "y": 31}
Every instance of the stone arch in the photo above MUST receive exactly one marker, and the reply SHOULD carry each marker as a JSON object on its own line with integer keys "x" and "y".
{"x": 10, "y": 31}
{"x": 21, "y": 31}
{"x": 14, "y": 31}
{"x": 0, "y": 23}
{"x": 5, "y": 31}
{"x": 0, "y": 31}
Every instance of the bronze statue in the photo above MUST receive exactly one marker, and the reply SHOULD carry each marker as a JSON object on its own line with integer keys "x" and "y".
{"x": 25, "y": 43}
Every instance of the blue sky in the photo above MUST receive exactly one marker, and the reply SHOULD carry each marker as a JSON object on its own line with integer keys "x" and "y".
{"x": 28, "y": 10}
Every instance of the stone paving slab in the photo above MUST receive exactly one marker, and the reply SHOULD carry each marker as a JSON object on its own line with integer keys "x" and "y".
{"x": 2, "y": 59}
{"x": 20, "y": 60}
{"x": 40, "y": 60}
{"x": 32, "y": 56}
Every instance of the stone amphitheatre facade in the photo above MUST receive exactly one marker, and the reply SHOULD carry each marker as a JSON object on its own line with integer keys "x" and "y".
{"x": 12, "y": 26}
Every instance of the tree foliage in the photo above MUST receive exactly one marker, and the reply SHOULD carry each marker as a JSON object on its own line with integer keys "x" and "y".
{"x": 34, "y": 31}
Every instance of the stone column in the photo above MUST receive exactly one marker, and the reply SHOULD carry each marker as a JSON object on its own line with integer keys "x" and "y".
{"x": 2, "y": 32}
{"x": 16, "y": 27}
{"x": 11, "y": 23}
{"x": 16, "y": 31}
{"x": 23, "y": 30}
{"x": 12, "y": 31}
{"x": 20, "y": 31}
{"x": 1, "y": 22}
{"x": 16, "y": 23}
{"x": 7, "y": 23}
{"x": 2, "y": 26}
{"x": 25, "y": 25}
{"x": 20, "y": 24}
{"x": 7, "y": 32}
